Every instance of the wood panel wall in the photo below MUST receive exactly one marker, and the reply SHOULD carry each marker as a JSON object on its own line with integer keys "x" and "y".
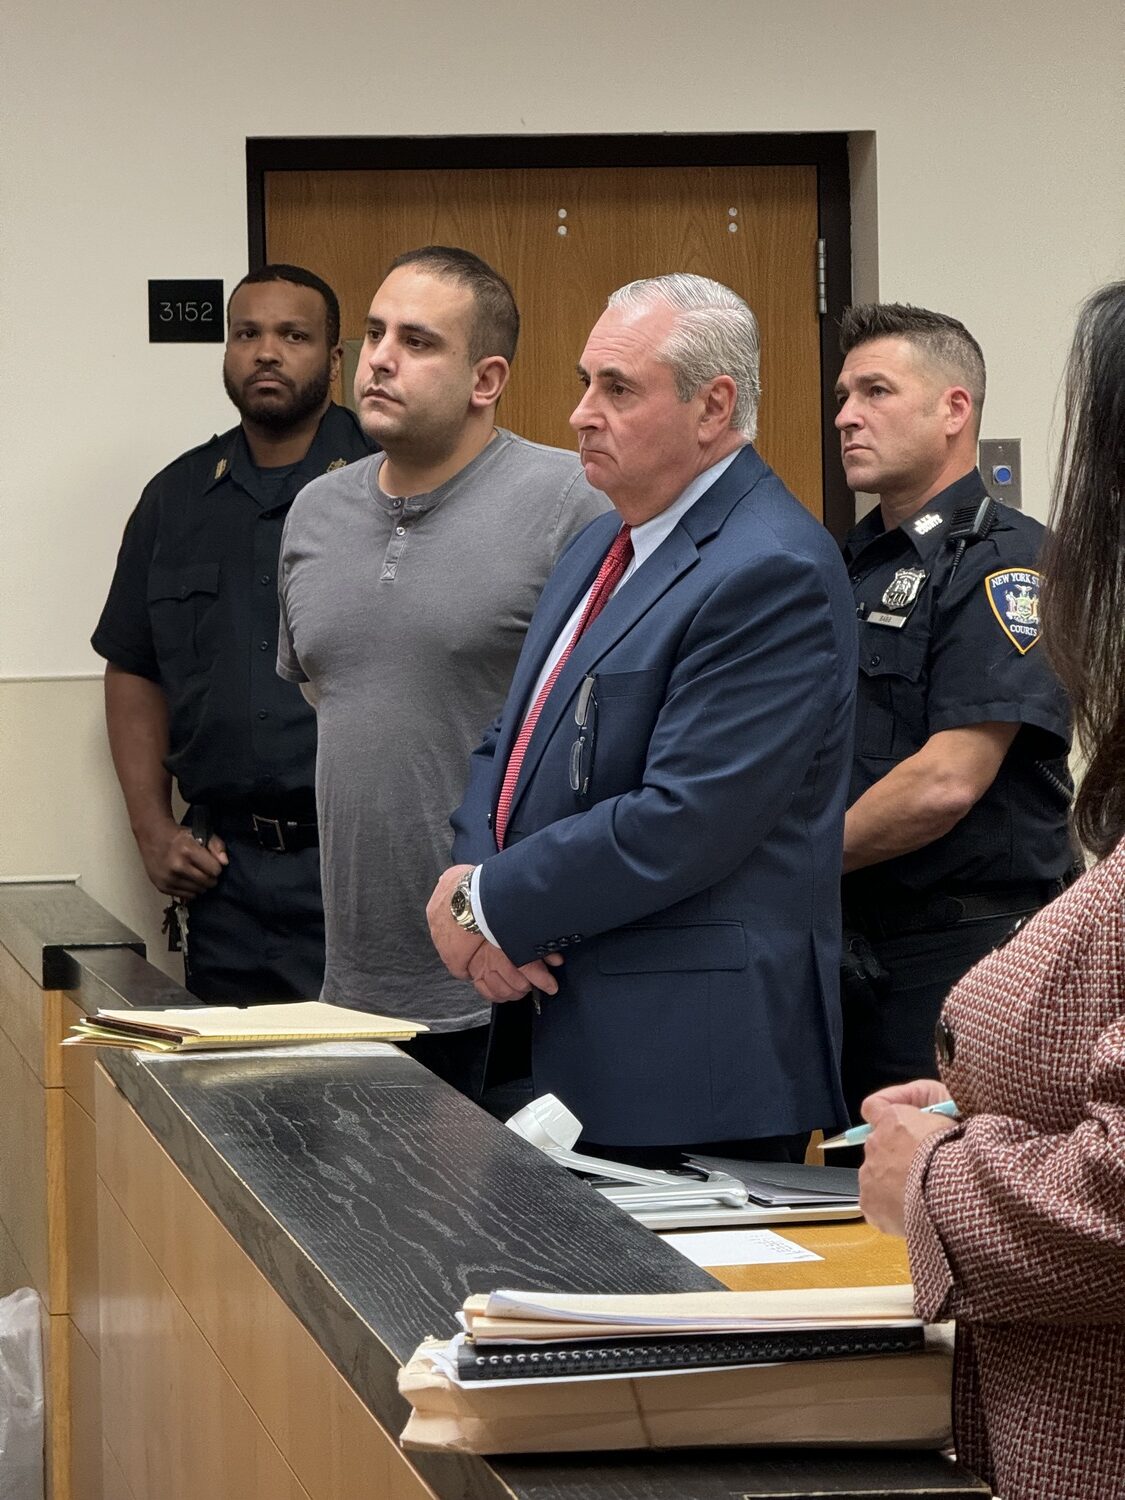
{"x": 48, "y": 1239}
{"x": 210, "y": 1386}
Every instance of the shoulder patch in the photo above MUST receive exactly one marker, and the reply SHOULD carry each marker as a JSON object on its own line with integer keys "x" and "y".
{"x": 1014, "y": 597}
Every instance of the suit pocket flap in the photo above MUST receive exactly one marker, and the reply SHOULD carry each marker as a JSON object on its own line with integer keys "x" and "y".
{"x": 181, "y": 583}
{"x": 664, "y": 950}
{"x": 629, "y": 684}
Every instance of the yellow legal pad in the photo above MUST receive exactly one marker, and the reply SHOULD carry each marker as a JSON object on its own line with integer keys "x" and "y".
{"x": 206, "y": 1028}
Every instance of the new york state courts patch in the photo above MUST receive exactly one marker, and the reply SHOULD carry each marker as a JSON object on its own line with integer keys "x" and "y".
{"x": 1014, "y": 596}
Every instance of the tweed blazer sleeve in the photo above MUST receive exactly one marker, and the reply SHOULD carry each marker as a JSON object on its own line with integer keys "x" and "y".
{"x": 1018, "y": 1215}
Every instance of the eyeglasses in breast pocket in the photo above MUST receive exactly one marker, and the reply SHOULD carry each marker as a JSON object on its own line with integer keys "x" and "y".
{"x": 582, "y": 751}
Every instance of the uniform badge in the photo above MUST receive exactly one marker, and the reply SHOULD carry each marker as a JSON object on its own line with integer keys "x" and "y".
{"x": 1014, "y": 597}
{"x": 221, "y": 468}
{"x": 903, "y": 588}
{"x": 927, "y": 523}
{"x": 337, "y": 463}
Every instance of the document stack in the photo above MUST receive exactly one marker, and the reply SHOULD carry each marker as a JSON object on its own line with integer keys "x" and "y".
{"x": 539, "y": 1372}
{"x": 209, "y": 1028}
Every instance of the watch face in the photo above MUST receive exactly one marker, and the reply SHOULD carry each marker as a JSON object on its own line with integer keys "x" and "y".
{"x": 461, "y": 906}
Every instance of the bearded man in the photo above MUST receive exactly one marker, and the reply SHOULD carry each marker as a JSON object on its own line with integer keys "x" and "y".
{"x": 189, "y": 634}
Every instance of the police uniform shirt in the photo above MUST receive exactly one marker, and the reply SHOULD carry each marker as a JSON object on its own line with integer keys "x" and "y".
{"x": 939, "y": 653}
{"x": 193, "y": 606}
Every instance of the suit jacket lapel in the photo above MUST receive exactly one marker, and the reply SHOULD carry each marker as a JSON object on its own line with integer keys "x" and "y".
{"x": 634, "y": 599}
{"x": 676, "y": 554}
{"x": 570, "y": 581}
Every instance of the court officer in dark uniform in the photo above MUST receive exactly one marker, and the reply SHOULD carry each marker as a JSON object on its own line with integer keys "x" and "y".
{"x": 189, "y": 634}
{"x": 957, "y": 817}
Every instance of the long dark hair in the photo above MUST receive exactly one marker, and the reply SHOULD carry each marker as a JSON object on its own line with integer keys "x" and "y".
{"x": 1084, "y": 564}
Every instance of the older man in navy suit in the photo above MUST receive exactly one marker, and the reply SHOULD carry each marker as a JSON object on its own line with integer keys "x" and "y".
{"x": 650, "y": 840}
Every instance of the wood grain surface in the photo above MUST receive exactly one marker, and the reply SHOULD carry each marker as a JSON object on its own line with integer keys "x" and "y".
{"x": 371, "y": 1199}
{"x": 852, "y": 1254}
{"x": 189, "y": 1315}
{"x": 38, "y": 920}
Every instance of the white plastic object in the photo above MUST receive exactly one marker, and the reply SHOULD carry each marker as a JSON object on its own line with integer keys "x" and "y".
{"x": 21, "y": 1397}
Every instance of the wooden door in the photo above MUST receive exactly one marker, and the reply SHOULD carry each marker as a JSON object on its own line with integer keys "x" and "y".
{"x": 565, "y": 238}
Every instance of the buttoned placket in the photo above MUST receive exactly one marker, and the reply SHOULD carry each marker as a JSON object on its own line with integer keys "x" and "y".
{"x": 263, "y": 651}
{"x": 405, "y": 513}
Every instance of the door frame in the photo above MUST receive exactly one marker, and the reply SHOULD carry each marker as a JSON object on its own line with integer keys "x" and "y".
{"x": 827, "y": 152}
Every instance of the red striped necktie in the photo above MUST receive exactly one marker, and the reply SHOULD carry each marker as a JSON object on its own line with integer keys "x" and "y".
{"x": 610, "y": 573}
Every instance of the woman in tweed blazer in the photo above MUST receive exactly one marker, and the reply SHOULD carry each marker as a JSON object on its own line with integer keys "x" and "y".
{"x": 1014, "y": 1216}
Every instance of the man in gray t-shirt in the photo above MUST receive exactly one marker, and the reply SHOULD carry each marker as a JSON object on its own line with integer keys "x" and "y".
{"x": 407, "y": 582}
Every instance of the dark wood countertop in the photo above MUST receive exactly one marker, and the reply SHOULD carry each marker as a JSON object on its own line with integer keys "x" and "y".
{"x": 39, "y": 919}
{"x": 375, "y": 1199}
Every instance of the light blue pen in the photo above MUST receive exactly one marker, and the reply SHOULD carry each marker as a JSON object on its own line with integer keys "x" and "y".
{"x": 859, "y": 1133}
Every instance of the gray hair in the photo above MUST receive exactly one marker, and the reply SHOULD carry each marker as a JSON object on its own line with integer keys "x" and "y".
{"x": 714, "y": 334}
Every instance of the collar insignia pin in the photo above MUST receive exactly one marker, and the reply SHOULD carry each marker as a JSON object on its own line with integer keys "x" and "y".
{"x": 927, "y": 523}
{"x": 221, "y": 468}
{"x": 337, "y": 463}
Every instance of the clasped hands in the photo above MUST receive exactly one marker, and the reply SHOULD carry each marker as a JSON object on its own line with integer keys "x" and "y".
{"x": 469, "y": 955}
{"x": 898, "y": 1128}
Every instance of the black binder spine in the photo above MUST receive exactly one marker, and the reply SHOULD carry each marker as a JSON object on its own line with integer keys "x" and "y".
{"x": 679, "y": 1352}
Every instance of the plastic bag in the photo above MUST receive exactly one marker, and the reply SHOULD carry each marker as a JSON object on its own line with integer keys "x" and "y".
{"x": 21, "y": 1397}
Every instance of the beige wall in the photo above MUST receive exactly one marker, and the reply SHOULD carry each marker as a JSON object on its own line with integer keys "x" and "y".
{"x": 60, "y": 810}
{"x": 990, "y": 144}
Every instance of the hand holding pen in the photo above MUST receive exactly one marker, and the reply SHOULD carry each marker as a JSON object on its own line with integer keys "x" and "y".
{"x": 901, "y": 1119}
{"x": 859, "y": 1133}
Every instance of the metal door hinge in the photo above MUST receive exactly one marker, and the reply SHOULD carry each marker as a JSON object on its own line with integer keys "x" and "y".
{"x": 821, "y": 277}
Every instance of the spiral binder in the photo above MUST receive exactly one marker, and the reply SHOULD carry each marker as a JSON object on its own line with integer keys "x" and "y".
{"x": 488, "y": 1361}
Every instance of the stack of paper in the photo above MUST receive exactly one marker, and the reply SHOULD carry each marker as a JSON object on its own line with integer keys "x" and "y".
{"x": 544, "y": 1372}
{"x": 560, "y": 1315}
{"x": 203, "y": 1028}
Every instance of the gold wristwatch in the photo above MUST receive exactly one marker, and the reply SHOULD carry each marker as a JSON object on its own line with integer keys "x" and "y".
{"x": 461, "y": 904}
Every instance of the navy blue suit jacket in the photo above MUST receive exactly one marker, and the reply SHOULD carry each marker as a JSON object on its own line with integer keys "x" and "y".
{"x": 693, "y": 883}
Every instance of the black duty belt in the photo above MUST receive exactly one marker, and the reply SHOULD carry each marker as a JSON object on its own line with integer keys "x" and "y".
{"x": 273, "y": 831}
{"x": 931, "y": 913}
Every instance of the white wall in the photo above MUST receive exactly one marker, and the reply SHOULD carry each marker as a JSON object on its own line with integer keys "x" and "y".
{"x": 994, "y": 156}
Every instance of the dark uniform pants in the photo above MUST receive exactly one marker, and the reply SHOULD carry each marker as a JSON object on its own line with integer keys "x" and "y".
{"x": 889, "y": 1021}
{"x": 258, "y": 935}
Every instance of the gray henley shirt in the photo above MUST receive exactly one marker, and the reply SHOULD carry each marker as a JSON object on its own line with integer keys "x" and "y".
{"x": 407, "y": 616}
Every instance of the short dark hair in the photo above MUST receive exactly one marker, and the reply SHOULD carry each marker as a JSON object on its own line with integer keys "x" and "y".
{"x": 1083, "y": 604}
{"x": 496, "y": 321}
{"x": 299, "y": 277}
{"x": 940, "y": 338}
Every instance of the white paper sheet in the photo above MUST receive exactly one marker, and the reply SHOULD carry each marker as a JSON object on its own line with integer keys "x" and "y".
{"x": 738, "y": 1247}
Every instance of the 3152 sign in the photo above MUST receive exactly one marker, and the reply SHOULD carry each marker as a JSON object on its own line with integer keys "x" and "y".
{"x": 185, "y": 312}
